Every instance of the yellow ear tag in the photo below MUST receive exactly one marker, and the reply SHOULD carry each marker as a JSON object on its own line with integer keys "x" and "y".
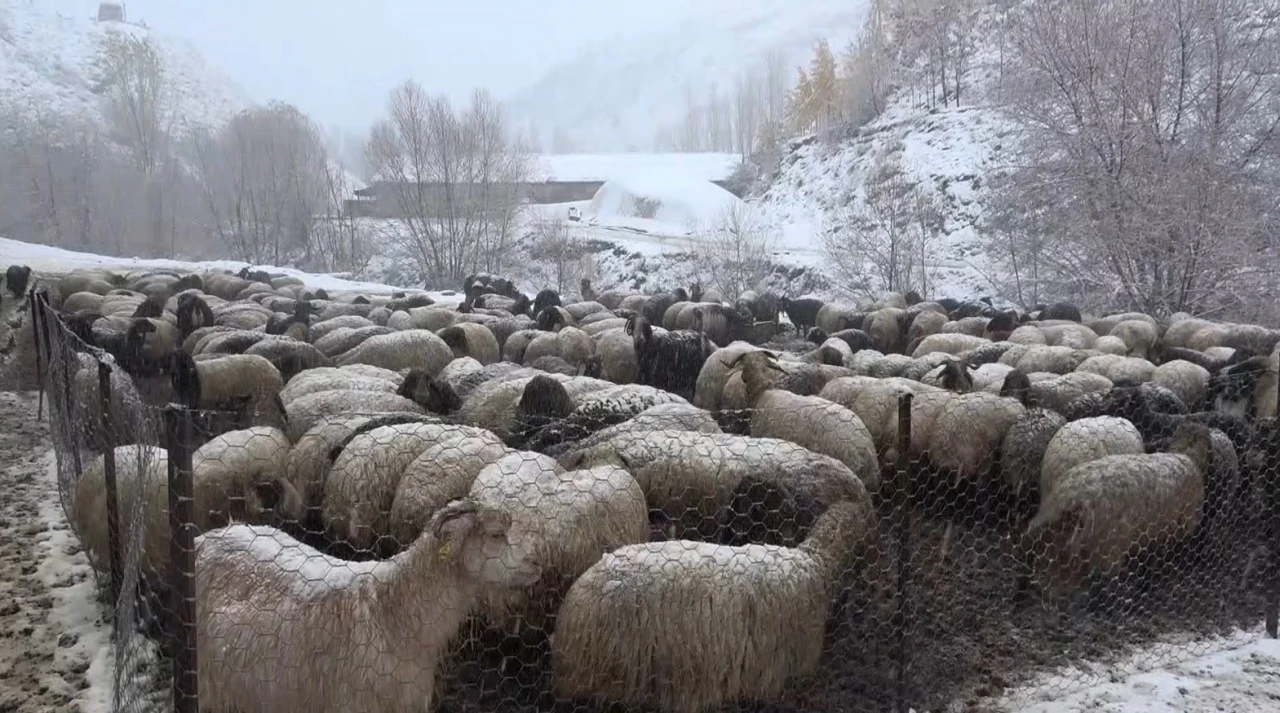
{"x": 444, "y": 550}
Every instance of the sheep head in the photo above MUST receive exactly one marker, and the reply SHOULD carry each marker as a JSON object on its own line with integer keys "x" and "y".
{"x": 816, "y": 335}
{"x": 456, "y": 338}
{"x": 485, "y": 544}
{"x": 755, "y": 367}
{"x": 434, "y": 396}
{"x": 185, "y": 377}
{"x": 1195, "y": 441}
{"x": 956, "y": 377}
{"x": 1017, "y": 386}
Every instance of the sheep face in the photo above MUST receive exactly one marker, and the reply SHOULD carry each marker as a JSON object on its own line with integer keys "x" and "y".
{"x": 486, "y": 545}
{"x": 186, "y": 379}
{"x": 432, "y": 395}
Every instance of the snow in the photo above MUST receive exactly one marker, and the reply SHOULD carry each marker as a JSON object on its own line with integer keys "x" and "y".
{"x": 570, "y": 168}
{"x": 51, "y": 260}
{"x": 76, "y": 611}
{"x": 673, "y": 199}
{"x": 1240, "y": 674}
{"x": 617, "y": 94}
{"x": 48, "y": 53}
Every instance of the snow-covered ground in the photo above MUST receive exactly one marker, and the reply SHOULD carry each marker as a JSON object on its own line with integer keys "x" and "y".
{"x": 49, "y": 260}
{"x": 48, "y": 56}
{"x": 1239, "y": 673}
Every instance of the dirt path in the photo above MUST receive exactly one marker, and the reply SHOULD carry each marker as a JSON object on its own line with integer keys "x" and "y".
{"x": 53, "y": 644}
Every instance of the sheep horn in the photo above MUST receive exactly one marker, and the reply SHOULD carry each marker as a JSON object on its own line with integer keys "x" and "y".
{"x": 452, "y": 511}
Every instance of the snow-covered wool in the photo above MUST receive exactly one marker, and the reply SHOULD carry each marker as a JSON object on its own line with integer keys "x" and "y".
{"x": 306, "y": 411}
{"x": 410, "y": 349}
{"x": 689, "y": 475}
{"x": 342, "y": 640}
{"x": 329, "y": 379}
{"x": 362, "y": 482}
{"x": 1085, "y": 440}
{"x": 240, "y": 475}
{"x": 468, "y": 339}
{"x": 572, "y": 517}
{"x": 688, "y": 626}
{"x": 953, "y": 343}
{"x": 342, "y": 340}
{"x": 1101, "y": 511}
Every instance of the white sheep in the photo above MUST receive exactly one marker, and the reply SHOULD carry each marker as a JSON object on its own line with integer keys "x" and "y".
{"x": 572, "y": 518}
{"x": 689, "y": 626}
{"x": 1085, "y": 440}
{"x": 410, "y": 349}
{"x": 306, "y": 411}
{"x": 345, "y": 637}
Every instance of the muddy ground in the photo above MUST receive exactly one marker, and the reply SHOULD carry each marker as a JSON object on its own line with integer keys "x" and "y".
{"x": 43, "y": 662}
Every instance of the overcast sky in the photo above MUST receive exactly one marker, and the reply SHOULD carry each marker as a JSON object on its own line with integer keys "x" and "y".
{"x": 338, "y": 59}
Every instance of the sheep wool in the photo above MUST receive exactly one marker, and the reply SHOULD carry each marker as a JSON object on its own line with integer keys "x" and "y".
{"x": 239, "y": 475}
{"x": 307, "y": 411}
{"x": 442, "y": 473}
{"x": 1085, "y": 440}
{"x": 688, "y": 626}
{"x": 398, "y": 351}
{"x": 572, "y": 517}
{"x": 382, "y": 626}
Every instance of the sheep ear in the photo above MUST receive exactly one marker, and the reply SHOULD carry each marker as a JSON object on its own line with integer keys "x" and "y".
{"x": 454, "y": 519}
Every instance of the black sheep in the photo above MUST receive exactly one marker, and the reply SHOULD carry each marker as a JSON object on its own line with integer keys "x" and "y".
{"x": 192, "y": 313}
{"x": 655, "y": 308}
{"x": 434, "y": 396}
{"x": 802, "y": 312}
{"x": 544, "y": 299}
{"x": 1001, "y": 325}
{"x": 669, "y": 361}
{"x": 16, "y": 278}
{"x": 1061, "y": 310}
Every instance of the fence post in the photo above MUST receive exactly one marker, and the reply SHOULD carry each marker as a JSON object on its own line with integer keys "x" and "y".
{"x": 182, "y": 559}
{"x": 1271, "y": 585}
{"x": 37, "y": 316}
{"x": 109, "y": 473}
{"x": 904, "y": 495}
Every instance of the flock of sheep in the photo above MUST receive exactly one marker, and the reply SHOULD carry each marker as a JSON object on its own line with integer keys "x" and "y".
{"x": 674, "y": 486}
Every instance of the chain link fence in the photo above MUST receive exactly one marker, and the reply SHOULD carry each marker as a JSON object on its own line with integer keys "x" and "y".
{"x": 562, "y": 544}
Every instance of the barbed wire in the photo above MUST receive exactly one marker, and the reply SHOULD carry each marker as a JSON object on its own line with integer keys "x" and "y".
{"x": 888, "y": 547}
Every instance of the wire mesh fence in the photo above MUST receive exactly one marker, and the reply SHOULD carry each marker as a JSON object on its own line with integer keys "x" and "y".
{"x": 563, "y": 543}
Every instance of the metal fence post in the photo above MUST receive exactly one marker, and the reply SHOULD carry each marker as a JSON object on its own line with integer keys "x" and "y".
{"x": 37, "y": 316}
{"x": 109, "y": 473}
{"x": 903, "y": 495}
{"x": 182, "y": 559}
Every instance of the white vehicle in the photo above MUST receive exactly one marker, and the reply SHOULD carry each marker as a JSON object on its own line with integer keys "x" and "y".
{"x": 574, "y": 215}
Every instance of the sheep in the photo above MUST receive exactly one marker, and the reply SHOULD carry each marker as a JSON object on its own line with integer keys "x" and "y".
{"x": 572, "y": 518}
{"x": 1189, "y": 381}
{"x": 1139, "y": 337}
{"x": 331, "y": 378}
{"x": 888, "y": 329}
{"x": 436, "y": 396}
{"x": 440, "y": 474}
{"x": 523, "y": 400}
{"x": 673, "y": 415}
{"x": 1247, "y": 388}
{"x": 1102, "y": 510}
{"x": 669, "y": 360}
{"x": 715, "y": 373}
{"x": 250, "y": 579}
{"x": 569, "y": 343}
{"x": 306, "y": 411}
{"x": 16, "y": 278}
{"x": 875, "y": 402}
{"x": 810, "y": 421}
{"x": 594, "y": 411}
{"x": 239, "y": 475}
{"x": 362, "y": 482}
{"x": 320, "y": 329}
{"x": 761, "y": 512}
{"x": 141, "y": 491}
{"x": 664, "y": 623}
{"x": 1022, "y": 452}
{"x": 1119, "y": 368}
{"x": 687, "y": 476}
{"x": 241, "y": 381}
{"x": 290, "y": 356}
{"x": 949, "y": 343}
{"x": 1085, "y": 440}
{"x": 803, "y": 312}
{"x": 1061, "y": 310}
{"x": 413, "y": 348}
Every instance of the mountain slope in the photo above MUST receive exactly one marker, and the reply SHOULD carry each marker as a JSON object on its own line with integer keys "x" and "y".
{"x": 47, "y": 64}
{"x": 617, "y": 96}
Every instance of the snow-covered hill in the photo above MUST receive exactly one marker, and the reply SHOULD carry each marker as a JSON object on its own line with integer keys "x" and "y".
{"x": 617, "y": 96}
{"x": 47, "y": 65}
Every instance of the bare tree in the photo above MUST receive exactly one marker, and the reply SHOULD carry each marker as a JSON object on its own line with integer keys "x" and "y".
{"x": 884, "y": 243}
{"x": 557, "y": 256}
{"x": 133, "y": 82}
{"x": 1153, "y": 124}
{"x": 733, "y": 251}
{"x": 342, "y": 241}
{"x": 456, "y": 179}
{"x": 264, "y": 180}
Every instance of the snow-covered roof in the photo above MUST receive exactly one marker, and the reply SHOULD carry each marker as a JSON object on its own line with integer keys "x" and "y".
{"x": 584, "y": 167}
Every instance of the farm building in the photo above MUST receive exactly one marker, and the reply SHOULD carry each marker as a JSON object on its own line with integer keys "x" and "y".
{"x": 562, "y": 178}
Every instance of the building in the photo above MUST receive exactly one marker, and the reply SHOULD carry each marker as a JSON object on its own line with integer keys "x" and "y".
{"x": 110, "y": 12}
{"x": 563, "y": 178}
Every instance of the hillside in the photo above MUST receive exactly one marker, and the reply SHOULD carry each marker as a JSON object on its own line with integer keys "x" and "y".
{"x": 616, "y": 96}
{"x": 47, "y": 57}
